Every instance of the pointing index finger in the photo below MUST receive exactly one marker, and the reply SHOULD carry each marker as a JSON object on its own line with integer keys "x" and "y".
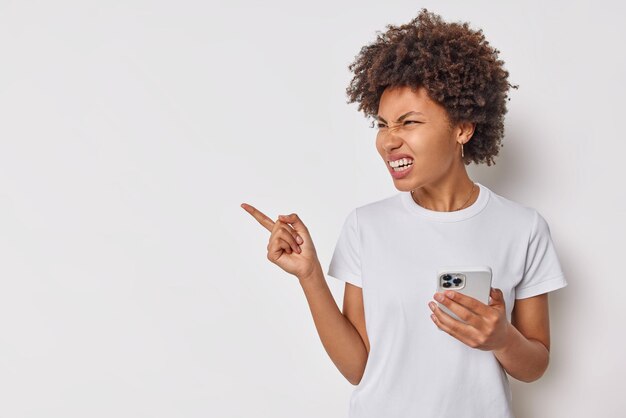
{"x": 263, "y": 219}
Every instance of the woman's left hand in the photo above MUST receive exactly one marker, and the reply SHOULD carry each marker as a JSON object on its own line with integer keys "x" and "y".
{"x": 486, "y": 326}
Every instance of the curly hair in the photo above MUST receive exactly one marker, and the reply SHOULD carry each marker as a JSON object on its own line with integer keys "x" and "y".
{"x": 455, "y": 64}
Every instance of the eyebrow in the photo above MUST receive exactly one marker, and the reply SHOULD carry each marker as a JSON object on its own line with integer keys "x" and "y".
{"x": 401, "y": 118}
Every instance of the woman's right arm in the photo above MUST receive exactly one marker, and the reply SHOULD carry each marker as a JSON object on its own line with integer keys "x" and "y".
{"x": 339, "y": 335}
{"x": 291, "y": 248}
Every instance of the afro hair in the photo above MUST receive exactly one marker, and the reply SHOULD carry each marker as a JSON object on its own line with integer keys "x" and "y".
{"x": 455, "y": 64}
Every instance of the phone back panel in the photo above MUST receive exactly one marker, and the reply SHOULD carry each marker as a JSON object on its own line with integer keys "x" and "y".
{"x": 477, "y": 283}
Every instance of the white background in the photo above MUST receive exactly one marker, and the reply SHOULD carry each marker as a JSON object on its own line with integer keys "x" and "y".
{"x": 132, "y": 284}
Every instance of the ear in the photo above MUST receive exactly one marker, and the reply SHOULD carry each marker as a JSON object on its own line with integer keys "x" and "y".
{"x": 465, "y": 130}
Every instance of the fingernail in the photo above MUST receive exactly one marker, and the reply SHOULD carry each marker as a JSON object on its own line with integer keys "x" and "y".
{"x": 299, "y": 239}
{"x": 438, "y": 297}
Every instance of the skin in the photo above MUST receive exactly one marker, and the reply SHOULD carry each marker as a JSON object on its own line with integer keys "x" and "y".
{"x": 291, "y": 248}
{"x": 441, "y": 183}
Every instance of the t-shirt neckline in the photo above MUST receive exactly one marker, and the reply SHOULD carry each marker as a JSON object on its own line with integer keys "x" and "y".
{"x": 453, "y": 216}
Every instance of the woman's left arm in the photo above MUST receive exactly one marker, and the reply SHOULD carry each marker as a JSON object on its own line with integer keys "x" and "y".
{"x": 522, "y": 346}
{"x": 527, "y": 351}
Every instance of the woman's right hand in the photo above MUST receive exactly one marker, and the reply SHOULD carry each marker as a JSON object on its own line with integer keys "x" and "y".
{"x": 290, "y": 245}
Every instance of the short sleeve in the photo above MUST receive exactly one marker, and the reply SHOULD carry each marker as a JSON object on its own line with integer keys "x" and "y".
{"x": 542, "y": 270}
{"x": 345, "y": 263}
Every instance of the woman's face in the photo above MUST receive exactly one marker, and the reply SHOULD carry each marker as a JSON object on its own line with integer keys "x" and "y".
{"x": 425, "y": 137}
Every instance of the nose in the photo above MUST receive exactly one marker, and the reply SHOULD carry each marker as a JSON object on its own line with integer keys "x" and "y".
{"x": 389, "y": 140}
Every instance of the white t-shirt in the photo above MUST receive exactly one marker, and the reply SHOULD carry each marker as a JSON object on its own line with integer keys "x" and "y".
{"x": 392, "y": 249}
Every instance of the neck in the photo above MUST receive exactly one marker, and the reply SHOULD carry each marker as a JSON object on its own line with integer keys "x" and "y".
{"x": 447, "y": 195}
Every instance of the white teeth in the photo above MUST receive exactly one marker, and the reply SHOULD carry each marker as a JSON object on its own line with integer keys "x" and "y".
{"x": 406, "y": 167}
{"x": 402, "y": 161}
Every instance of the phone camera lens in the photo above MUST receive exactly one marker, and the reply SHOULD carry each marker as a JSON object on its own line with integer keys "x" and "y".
{"x": 446, "y": 284}
{"x": 447, "y": 277}
{"x": 457, "y": 281}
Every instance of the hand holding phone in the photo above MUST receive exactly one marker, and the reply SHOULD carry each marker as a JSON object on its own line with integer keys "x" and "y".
{"x": 489, "y": 324}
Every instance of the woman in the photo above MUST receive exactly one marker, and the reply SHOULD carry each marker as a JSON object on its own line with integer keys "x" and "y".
{"x": 437, "y": 93}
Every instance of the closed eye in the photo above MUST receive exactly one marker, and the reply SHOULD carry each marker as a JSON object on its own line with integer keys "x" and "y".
{"x": 382, "y": 125}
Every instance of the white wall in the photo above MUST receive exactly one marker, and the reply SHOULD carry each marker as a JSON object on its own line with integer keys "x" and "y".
{"x": 132, "y": 284}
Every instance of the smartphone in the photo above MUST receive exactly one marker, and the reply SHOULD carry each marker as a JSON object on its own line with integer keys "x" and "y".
{"x": 471, "y": 281}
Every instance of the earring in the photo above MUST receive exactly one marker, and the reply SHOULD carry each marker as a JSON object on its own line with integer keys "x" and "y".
{"x": 461, "y": 150}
